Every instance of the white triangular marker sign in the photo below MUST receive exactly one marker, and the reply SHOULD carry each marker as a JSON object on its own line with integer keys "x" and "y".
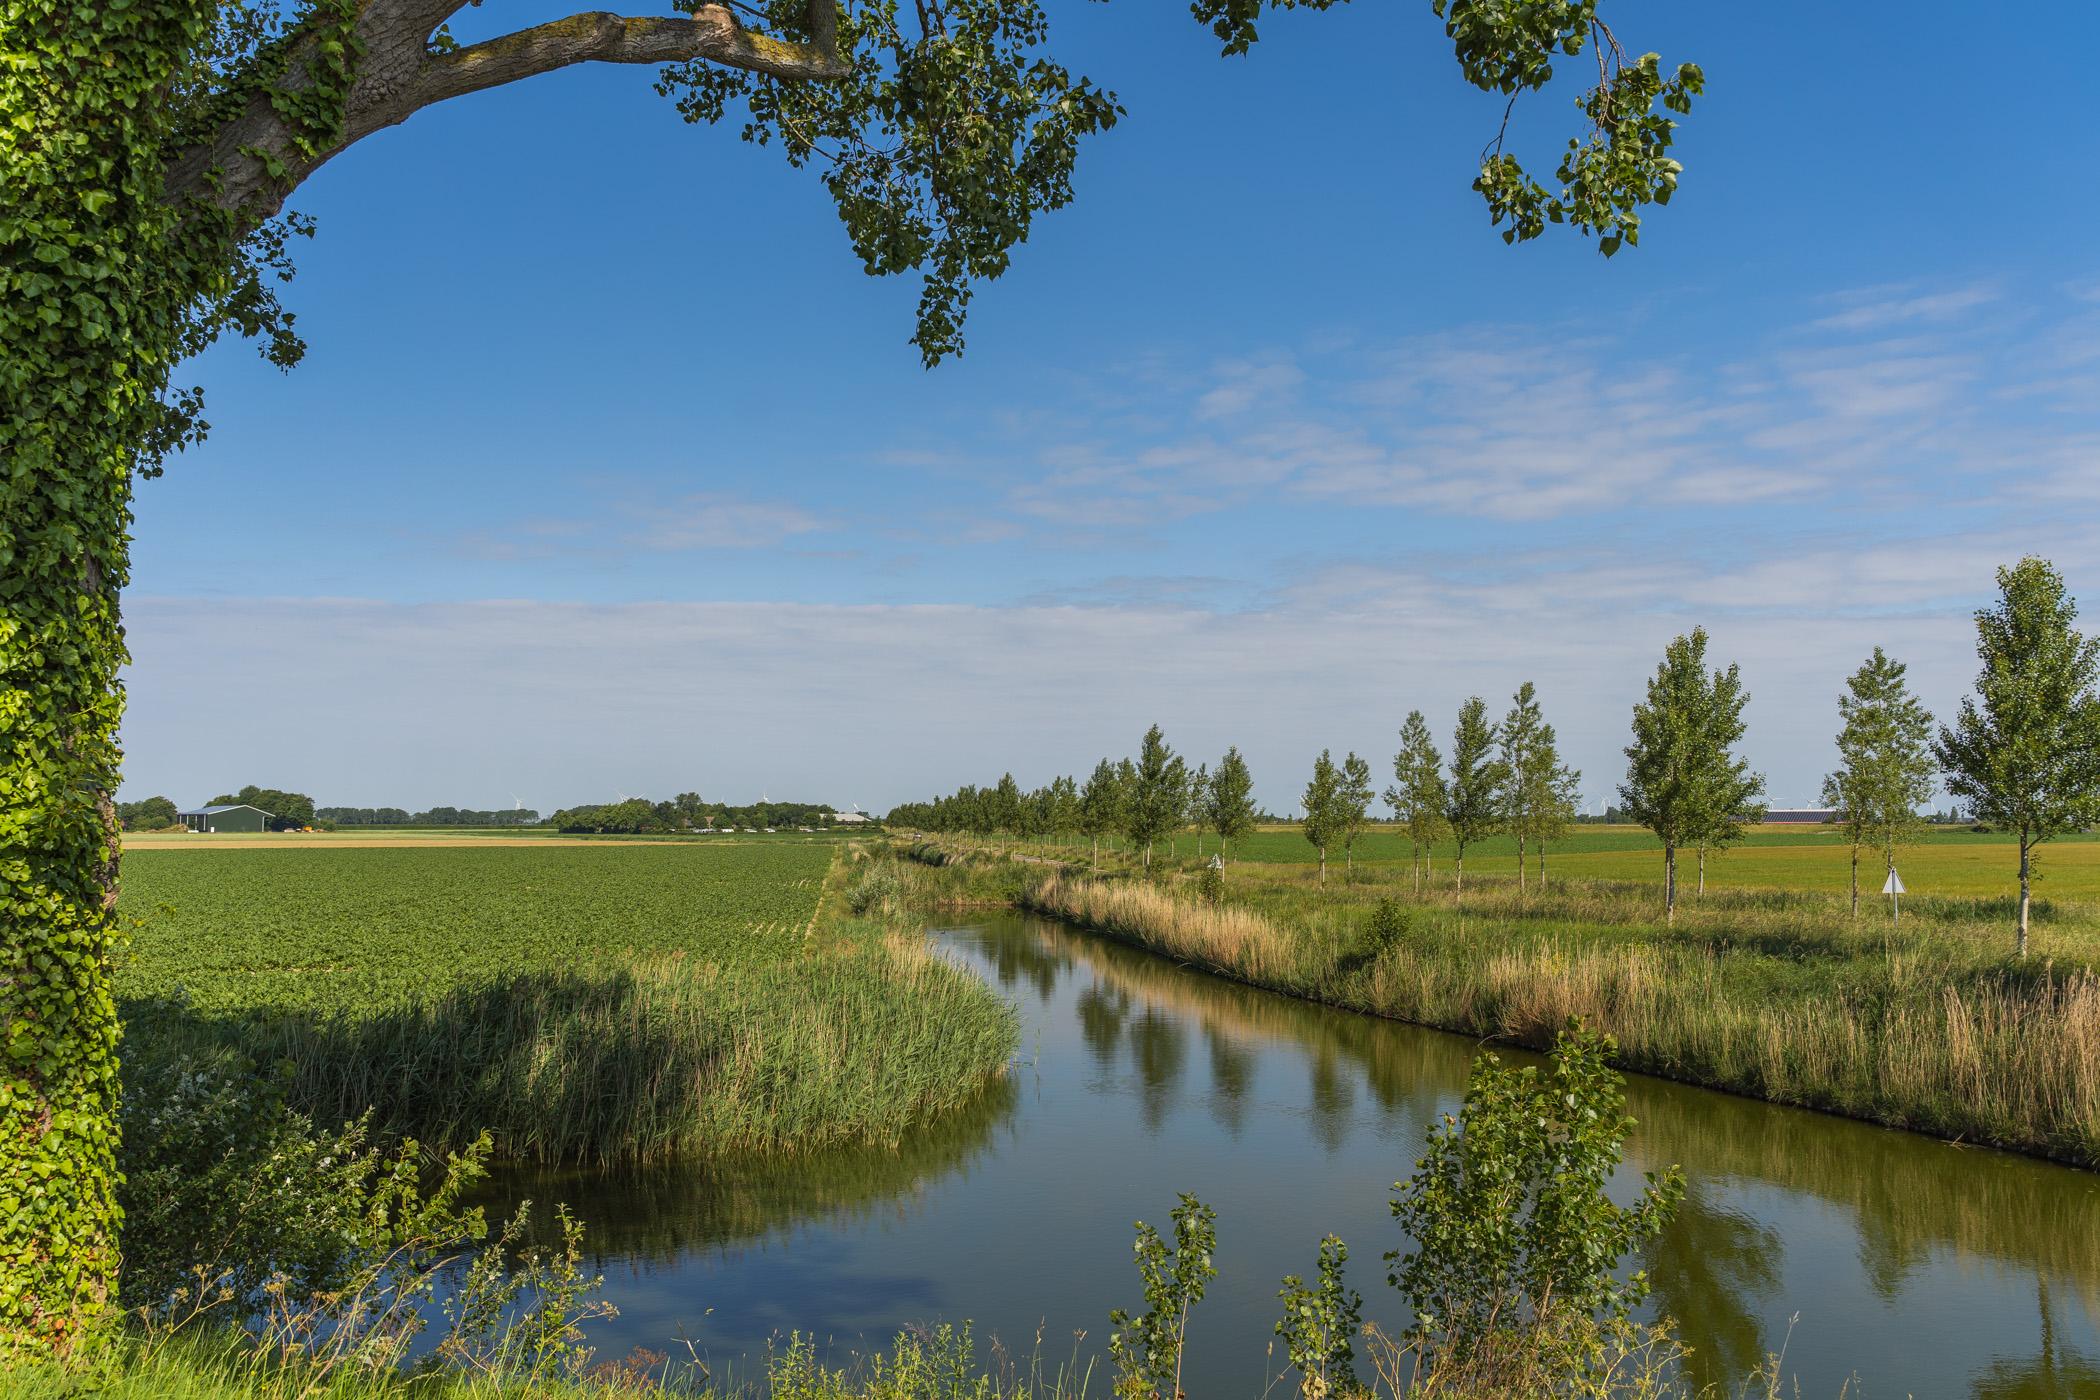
{"x": 1893, "y": 885}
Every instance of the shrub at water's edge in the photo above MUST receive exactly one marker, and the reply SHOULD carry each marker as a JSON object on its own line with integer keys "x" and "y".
{"x": 1773, "y": 1004}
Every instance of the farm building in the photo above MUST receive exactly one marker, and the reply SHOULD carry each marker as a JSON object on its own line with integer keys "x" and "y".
{"x": 849, "y": 818}
{"x": 231, "y": 816}
{"x": 1793, "y": 815}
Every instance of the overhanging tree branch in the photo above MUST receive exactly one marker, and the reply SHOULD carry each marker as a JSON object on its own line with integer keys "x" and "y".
{"x": 254, "y": 159}
{"x": 711, "y": 34}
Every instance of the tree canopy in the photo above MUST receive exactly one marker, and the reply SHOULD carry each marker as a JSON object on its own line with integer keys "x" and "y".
{"x": 1473, "y": 797}
{"x": 1158, "y": 793}
{"x": 2024, "y": 751}
{"x": 1229, "y": 807}
{"x": 1885, "y": 769}
{"x": 1684, "y": 782}
{"x": 1418, "y": 796}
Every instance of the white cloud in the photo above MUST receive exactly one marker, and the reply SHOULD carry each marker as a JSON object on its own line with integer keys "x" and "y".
{"x": 1880, "y": 307}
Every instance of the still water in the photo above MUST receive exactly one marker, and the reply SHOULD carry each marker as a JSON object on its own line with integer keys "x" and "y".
{"x": 1924, "y": 1269}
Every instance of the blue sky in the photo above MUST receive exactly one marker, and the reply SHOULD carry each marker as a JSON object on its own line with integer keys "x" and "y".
{"x": 609, "y": 471}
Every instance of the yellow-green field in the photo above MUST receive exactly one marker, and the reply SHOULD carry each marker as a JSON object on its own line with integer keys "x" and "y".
{"x": 1955, "y": 862}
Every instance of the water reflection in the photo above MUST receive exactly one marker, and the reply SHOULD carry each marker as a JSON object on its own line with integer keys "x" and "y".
{"x": 1925, "y": 1268}
{"x": 658, "y": 1215}
{"x": 1717, "y": 1270}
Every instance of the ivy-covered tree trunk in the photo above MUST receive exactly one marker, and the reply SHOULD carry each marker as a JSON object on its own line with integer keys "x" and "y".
{"x": 87, "y": 319}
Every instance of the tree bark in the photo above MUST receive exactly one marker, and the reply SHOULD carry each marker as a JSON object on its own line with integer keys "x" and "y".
{"x": 1669, "y": 882}
{"x": 2026, "y": 872}
{"x": 1323, "y": 865}
{"x": 1520, "y": 863}
{"x": 1461, "y": 872}
{"x": 1855, "y": 879}
{"x": 1702, "y": 871}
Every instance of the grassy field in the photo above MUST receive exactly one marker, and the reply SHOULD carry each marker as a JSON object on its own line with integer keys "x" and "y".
{"x": 1949, "y": 861}
{"x": 623, "y": 1002}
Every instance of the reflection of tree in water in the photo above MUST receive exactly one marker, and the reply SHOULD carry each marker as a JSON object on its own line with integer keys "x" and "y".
{"x": 1412, "y": 1074}
{"x": 1708, "y": 1269}
{"x": 1333, "y": 1099}
{"x": 1909, "y": 1197}
{"x": 1231, "y": 1076}
{"x": 1101, "y": 1017}
{"x": 660, "y": 1214}
{"x": 1011, "y": 959}
{"x": 1160, "y": 1054}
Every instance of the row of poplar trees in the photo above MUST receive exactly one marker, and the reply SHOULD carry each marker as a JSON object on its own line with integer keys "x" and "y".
{"x": 2023, "y": 752}
{"x": 1503, "y": 779}
{"x": 1142, "y": 800}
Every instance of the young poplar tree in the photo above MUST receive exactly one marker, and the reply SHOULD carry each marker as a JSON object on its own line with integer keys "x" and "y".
{"x": 1230, "y": 809}
{"x": 1473, "y": 804}
{"x": 1885, "y": 767}
{"x": 1159, "y": 793}
{"x": 1127, "y": 787}
{"x": 1353, "y": 804}
{"x": 1063, "y": 807}
{"x": 1100, "y": 806}
{"x": 1008, "y": 813}
{"x": 1418, "y": 796}
{"x": 1683, "y": 780}
{"x": 2025, "y": 750}
{"x": 1519, "y": 737}
{"x": 1322, "y": 822}
{"x": 1551, "y": 791}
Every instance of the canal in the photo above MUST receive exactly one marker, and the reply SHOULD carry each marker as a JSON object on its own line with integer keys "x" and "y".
{"x": 1922, "y": 1268}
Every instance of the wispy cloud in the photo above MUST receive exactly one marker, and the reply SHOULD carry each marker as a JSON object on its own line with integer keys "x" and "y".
{"x": 716, "y": 522}
{"x": 1877, "y": 308}
{"x": 1539, "y": 423}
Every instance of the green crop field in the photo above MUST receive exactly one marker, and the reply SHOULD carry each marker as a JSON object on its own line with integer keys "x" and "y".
{"x": 332, "y": 928}
{"x": 1956, "y": 861}
{"x": 600, "y": 1002}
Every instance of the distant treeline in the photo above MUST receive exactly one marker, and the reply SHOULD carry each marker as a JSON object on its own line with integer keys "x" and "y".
{"x": 436, "y": 816}
{"x": 1142, "y": 800}
{"x": 686, "y": 812}
{"x": 630, "y": 815}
